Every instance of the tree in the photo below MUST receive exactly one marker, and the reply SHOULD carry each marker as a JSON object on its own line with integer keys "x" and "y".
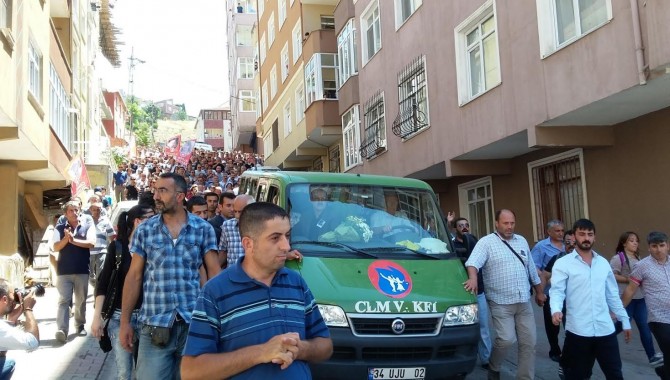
{"x": 181, "y": 114}
{"x": 137, "y": 115}
{"x": 152, "y": 113}
{"x": 143, "y": 134}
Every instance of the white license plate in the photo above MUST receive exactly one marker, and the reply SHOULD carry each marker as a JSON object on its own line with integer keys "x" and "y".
{"x": 414, "y": 373}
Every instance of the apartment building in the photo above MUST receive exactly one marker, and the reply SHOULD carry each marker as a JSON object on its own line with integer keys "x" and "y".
{"x": 213, "y": 126}
{"x": 554, "y": 109}
{"x": 49, "y": 108}
{"x": 242, "y": 56}
{"x": 298, "y": 127}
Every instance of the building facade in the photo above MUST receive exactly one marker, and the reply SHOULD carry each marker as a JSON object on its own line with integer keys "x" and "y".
{"x": 213, "y": 126}
{"x": 298, "y": 127}
{"x": 557, "y": 110}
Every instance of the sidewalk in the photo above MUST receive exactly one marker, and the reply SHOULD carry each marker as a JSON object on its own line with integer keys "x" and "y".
{"x": 80, "y": 358}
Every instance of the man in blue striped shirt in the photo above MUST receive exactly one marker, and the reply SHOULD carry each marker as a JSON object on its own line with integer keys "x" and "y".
{"x": 167, "y": 251}
{"x": 257, "y": 320}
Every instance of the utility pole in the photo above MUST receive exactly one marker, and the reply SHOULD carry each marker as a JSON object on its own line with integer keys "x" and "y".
{"x": 131, "y": 67}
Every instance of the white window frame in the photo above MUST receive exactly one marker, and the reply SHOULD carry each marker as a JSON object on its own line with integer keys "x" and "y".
{"x": 326, "y": 22}
{"x": 285, "y": 62}
{"x": 299, "y": 103}
{"x": 282, "y": 13}
{"x": 412, "y": 6}
{"x": 259, "y": 106}
{"x": 464, "y": 204}
{"x": 376, "y": 30}
{"x": 297, "y": 41}
{"x": 463, "y": 67}
{"x": 346, "y": 52}
{"x": 246, "y": 97}
{"x": 273, "y": 81}
{"x": 243, "y": 31}
{"x": 59, "y": 109}
{"x": 245, "y": 68}
{"x": 292, "y": 1}
{"x": 247, "y": 5}
{"x": 547, "y": 21}
{"x": 315, "y": 80}
{"x": 263, "y": 49}
{"x": 261, "y": 8}
{"x": 264, "y": 95}
{"x": 35, "y": 67}
{"x": 288, "y": 123}
{"x": 351, "y": 137}
{"x": 271, "y": 29}
{"x": 267, "y": 144}
{"x": 6, "y": 14}
{"x": 579, "y": 152}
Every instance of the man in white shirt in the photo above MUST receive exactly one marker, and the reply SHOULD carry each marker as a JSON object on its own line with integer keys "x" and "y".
{"x": 585, "y": 281}
{"x": 12, "y": 338}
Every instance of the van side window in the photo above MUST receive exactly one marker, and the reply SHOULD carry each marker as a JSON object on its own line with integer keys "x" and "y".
{"x": 261, "y": 192}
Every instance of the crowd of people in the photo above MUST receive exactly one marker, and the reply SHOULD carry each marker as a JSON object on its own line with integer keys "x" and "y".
{"x": 594, "y": 298}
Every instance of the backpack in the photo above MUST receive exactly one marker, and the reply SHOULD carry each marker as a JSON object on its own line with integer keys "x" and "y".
{"x": 113, "y": 289}
{"x": 624, "y": 259}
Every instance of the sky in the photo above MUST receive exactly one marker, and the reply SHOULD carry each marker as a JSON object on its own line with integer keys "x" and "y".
{"x": 183, "y": 46}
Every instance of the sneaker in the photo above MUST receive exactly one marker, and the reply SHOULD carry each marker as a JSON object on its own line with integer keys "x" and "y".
{"x": 656, "y": 360}
{"x": 61, "y": 336}
{"x": 81, "y": 331}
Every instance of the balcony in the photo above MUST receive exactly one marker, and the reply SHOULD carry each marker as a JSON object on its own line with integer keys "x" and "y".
{"x": 344, "y": 11}
{"x": 322, "y": 122}
{"x": 319, "y": 41}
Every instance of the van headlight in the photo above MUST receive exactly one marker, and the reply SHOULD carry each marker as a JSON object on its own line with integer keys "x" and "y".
{"x": 461, "y": 315}
{"x": 333, "y": 316}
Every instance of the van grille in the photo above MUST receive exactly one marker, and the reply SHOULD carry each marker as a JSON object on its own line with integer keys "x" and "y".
{"x": 382, "y": 326}
{"x": 393, "y": 353}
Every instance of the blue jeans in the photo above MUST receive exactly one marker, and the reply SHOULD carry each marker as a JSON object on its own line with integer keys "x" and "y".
{"x": 637, "y": 310}
{"x": 161, "y": 363}
{"x": 6, "y": 368}
{"x": 484, "y": 348}
{"x": 124, "y": 359}
{"x": 66, "y": 285}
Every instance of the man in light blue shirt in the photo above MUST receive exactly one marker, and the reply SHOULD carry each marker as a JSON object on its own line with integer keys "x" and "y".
{"x": 585, "y": 280}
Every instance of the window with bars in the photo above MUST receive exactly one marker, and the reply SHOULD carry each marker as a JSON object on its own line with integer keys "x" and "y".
{"x": 412, "y": 98}
{"x": 317, "y": 165}
{"x": 374, "y": 135}
{"x": 334, "y": 159}
{"x": 557, "y": 190}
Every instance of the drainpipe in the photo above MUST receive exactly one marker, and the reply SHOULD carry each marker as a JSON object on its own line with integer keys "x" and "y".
{"x": 639, "y": 48}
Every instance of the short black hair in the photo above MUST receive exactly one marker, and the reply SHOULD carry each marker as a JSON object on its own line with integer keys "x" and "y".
{"x": 195, "y": 201}
{"x": 226, "y": 195}
{"x": 179, "y": 181}
{"x": 212, "y": 194}
{"x": 254, "y": 216}
{"x": 584, "y": 224}
{"x": 455, "y": 222}
{"x": 656, "y": 237}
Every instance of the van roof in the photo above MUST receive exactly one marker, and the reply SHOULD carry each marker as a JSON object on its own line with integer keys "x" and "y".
{"x": 342, "y": 178}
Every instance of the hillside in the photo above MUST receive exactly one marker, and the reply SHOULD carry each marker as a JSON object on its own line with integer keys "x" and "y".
{"x": 169, "y": 128}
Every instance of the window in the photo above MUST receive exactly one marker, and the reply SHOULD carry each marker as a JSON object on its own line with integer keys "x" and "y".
{"x": 292, "y": 1}
{"x": 246, "y": 99}
{"x": 74, "y": 61}
{"x": 284, "y": 62}
{"x": 297, "y": 42}
{"x": 346, "y": 52}
{"x": 263, "y": 48}
{"x": 299, "y": 103}
{"x": 477, "y": 63}
{"x": 261, "y": 7}
{"x": 371, "y": 36}
{"x": 267, "y": 144}
{"x": 34, "y": 72}
{"x": 273, "y": 82}
{"x": 412, "y": 99}
{"x": 59, "y": 115}
{"x": 259, "y": 108}
{"x": 271, "y": 29}
{"x": 245, "y": 68}
{"x": 374, "y": 137}
{"x": 264, "y": 94}
{"x": 5, "y": 14}
{"x": 246, "y": 6}
{"x": 562, "y": 22}
{"x": 404, "y": 9}
{"x": 275, "y": 135}
{"x": 321, "y": 77}
{"x": 327, "y": 22}
{"x": 476, "y": 204}
{"x": 288, "y": 125}
{"x": 243, "y": 35}
{"x": 351, "y": 126}
{"x": 558, "y": 190}
{"x": 334, "y": 159}
{"x": 282, "y": 13}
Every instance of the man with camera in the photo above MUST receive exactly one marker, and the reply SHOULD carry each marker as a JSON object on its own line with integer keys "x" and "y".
{"x": 12, "y": 305}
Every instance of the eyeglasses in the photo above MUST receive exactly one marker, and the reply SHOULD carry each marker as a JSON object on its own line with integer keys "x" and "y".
{"x": 146, "y": 216}
{"x": 461, "y": 225}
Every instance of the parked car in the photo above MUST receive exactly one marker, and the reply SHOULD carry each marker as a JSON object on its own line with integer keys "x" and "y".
{"x": 118, "y": 208}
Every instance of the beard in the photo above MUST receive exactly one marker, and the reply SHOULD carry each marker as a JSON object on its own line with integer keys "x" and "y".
{"x": 585, "y": 245}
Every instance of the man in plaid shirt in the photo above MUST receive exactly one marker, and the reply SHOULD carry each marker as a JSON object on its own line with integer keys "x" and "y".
{"x": 230, "y": 246}
{"x": 167, "y": 251}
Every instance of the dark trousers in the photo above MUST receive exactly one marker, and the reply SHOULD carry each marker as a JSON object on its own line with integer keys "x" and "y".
{"x": 580, "y": 352}
{"x": 551, "y": 330}
{"x": 661, "y": 332}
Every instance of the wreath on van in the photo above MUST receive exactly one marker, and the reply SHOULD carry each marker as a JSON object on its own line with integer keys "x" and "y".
{"x": 353, "y": 229}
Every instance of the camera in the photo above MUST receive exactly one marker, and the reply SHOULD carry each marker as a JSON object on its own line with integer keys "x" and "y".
{"x": 39, "y": 292}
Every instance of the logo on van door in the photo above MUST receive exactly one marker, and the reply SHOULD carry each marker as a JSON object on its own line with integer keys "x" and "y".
{"x": 390, "y": 278}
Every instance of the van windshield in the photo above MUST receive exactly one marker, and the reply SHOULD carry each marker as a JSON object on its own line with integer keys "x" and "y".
{"x": 390, "y": 219}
